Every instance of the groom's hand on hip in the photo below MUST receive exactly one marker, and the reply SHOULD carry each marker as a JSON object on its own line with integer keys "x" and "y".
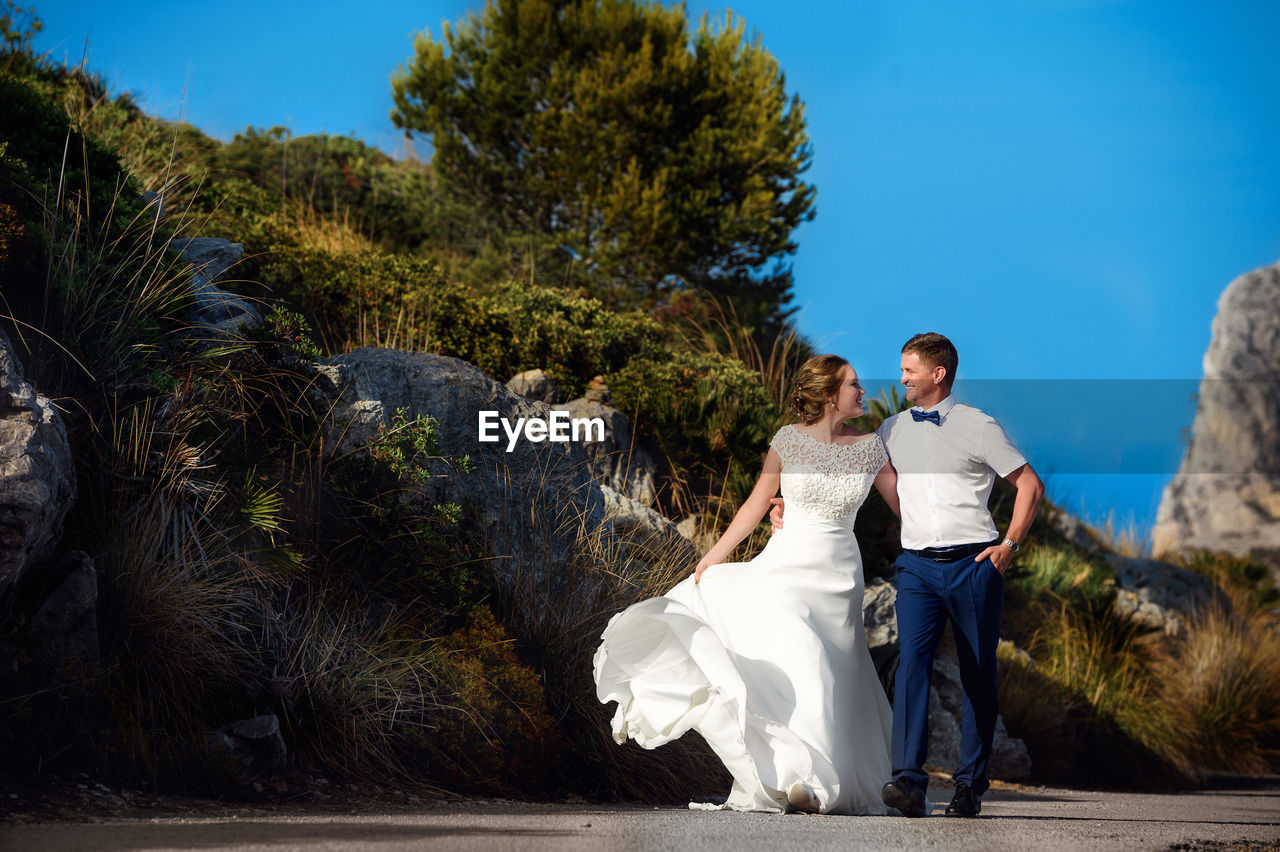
{"x": 775, "y": 514}
{"x": 999, "y": 555}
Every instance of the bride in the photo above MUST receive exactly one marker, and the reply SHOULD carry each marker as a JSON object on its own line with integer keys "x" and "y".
{"x": 768, "y": 659}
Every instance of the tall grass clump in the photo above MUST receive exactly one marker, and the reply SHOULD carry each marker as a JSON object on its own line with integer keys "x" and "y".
{"x": 559, "y": 583}
{"x": 1219, "y": 687}
{"x": 1084, "y": 705}
{"x": 354, "y": 693}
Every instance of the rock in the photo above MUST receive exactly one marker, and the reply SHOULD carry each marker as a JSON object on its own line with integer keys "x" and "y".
{"x": 878, "y": 615}
{"x": 37, "y": 475}
{"x": 1010, "y": 760}
{"x": 632, "y": 515}
{"x": 598, "y": 391}
{"x": 1161, "y": 596}
{"x": 254, "y": 746}
{"x": 617, "y": 461}
{"x": 535, "y": 384}
{"x": 881, "y": 623}
{"x": 535, "y": 495}
{"x": 645, "y": 535}
{"x": 215, "y": 308}
{"x": 67, "y": 621}
{"x": 1070, "y": 527}
{"x": 1226, "y": 495}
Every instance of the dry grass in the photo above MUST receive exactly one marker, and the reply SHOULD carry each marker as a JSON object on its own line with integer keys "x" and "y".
{"x": 1085, "y": 708}
{"x": 561, "y": 582}
{"x": 177, "y": 614}
{"x": 1219, "y": 690}
{"x": 351, "y": 692}
{"x": 1110, "y": 703}
{"x": 721, "y": 331}
{"x": 1126, "y": 539}
{"x": 333, "y": 232}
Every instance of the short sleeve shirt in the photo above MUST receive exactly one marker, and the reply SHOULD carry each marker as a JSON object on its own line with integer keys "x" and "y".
{"x": 945, "y": 473}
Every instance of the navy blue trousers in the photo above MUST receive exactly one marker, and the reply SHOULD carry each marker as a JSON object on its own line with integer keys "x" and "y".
{"x": 970, "y": 594}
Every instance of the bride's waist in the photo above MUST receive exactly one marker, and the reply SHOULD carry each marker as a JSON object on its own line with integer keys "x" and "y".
{"x": 797, "y": 517}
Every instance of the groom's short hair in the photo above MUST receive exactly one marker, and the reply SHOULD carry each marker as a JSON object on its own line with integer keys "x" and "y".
{"x": 935, "y": 351}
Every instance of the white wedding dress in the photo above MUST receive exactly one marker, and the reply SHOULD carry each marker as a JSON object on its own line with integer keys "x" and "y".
{"x": 768, "y": 659}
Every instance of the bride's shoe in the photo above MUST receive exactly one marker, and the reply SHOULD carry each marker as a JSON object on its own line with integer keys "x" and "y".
{"x": 800, "y": 797}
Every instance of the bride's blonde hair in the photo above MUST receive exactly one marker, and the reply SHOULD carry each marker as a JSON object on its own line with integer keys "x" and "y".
{"x": 818, "y": 379}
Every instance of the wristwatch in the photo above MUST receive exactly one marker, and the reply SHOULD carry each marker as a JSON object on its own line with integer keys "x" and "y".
{"x": 1013, "y": 546}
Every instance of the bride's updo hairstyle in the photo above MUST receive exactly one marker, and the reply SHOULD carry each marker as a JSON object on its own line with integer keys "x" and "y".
{"x": 818, "y": 379}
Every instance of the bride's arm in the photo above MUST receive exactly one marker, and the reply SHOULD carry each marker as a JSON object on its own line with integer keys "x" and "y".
{"x": 887, "y": 485}
{"x": 748, "y": 516}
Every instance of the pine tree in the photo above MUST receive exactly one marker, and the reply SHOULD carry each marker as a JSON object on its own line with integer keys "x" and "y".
{"x": 658, "y": 161}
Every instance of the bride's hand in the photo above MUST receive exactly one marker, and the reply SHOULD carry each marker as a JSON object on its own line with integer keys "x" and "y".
{"x": 703, "y": 564}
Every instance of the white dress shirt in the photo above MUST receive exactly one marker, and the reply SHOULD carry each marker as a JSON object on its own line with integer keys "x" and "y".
{"x": 945, "y": 473}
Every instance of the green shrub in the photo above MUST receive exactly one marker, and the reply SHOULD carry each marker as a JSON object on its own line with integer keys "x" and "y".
{"x": 498, "y": 735}
{"x": 711, "y": 419}
{"x": 373, "y": 298}
{"x": 61, "y": 164}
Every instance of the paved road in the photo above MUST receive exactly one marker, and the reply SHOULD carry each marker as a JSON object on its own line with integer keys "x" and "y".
{"x": 1040, "y": 819}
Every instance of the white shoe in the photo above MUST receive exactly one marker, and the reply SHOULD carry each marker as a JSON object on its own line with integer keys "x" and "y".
{"x": 800, "y": 797}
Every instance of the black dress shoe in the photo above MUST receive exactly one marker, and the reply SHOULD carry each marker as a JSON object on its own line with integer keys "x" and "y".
{"x": 965, "y": 803}
{"x": 906, "y": 796}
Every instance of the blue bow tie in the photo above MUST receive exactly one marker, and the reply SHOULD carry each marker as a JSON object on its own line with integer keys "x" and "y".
{"x": 932, "y": 416}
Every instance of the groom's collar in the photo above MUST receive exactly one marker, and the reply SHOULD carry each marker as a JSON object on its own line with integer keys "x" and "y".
{"x": 943, "y": 408}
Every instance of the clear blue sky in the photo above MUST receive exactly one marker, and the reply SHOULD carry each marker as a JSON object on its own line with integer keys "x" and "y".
{"x": 1062, "y": 187}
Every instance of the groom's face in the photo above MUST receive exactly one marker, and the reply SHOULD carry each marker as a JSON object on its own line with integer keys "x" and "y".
{"x": 921, "y": 381}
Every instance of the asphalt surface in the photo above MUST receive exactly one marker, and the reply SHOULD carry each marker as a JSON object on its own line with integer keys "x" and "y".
{"x": 1246, "y": 817}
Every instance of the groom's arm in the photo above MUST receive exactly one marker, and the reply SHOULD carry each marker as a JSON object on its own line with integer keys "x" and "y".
{"x": 775, "y": 514}
{"x": 887, "y": 485}
{"x": 1025, "y": 505}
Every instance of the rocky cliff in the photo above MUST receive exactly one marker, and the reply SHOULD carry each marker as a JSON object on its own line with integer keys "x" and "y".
{"x": 1226, "y": 495}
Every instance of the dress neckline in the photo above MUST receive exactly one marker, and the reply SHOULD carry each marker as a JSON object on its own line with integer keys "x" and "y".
{"x": 869, "y": 436}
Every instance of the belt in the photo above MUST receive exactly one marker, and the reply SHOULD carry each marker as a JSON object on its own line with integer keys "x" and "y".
{"x": 951, "y": 554}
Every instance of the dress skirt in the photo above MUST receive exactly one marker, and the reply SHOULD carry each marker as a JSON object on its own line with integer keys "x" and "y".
{"x": 768, "y": 661}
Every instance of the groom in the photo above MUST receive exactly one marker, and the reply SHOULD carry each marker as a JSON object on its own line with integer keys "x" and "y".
{"x": 952, "y": 566}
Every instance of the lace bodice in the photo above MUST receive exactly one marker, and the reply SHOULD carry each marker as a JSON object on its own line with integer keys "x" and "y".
{"x": 827, "y": 480}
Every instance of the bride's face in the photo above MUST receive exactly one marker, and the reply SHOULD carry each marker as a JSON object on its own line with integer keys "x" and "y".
{"x": 848, "y": 397}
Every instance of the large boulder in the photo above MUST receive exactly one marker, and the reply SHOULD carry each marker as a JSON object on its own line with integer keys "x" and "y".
{"x": 614, "y": 456}
{"x": 617, "y": 460}
{"x": 37, "y": 476}
{"x": 1162, "y": 596}
{"x": 1010, "y": 760}
{"x": 1226, "y": 495}
{"x": 534, "y": 493}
